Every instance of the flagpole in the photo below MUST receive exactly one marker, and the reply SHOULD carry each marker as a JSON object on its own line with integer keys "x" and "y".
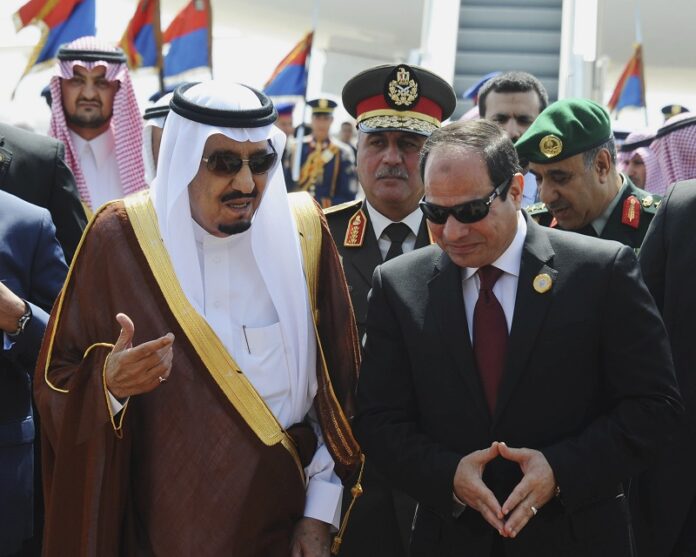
{"x": 297, "y": 161}
{"x": 639, "y": 41}
{"x": 158, "y": 44}
{"x": 210, "y": 36}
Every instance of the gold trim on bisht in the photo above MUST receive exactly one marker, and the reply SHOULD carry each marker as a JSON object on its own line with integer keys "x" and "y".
{"x": 215, "y": 357}
{"x": 59, "y": 302}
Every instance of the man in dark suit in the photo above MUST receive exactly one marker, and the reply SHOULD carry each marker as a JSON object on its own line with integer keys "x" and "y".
{"x": 583, "y": 191}
{"x": 33, "y": 169}
{"x": 665, "y": 495}
{"x": 32, "y": 271}
{"x": 510, "y": 332}
{"x": 383, "y": 225}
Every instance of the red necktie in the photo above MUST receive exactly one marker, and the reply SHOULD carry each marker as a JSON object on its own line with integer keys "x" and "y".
{"x": 490, "y": 335}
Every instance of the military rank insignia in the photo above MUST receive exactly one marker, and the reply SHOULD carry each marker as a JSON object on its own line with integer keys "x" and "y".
{"x": 550, "y": 146}
{"x": 630, "y": 215}
{"x": 355, "y": 233}
{"x": 402, "y": 88}
{"x": 648, "y": 200}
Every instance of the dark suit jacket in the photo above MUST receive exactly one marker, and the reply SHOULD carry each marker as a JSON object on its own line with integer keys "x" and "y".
{"x": 33, "y": 169}
{"x": 380, "y": 523}
{"x": 31, "y": 266}
{"x": 588, "y": 381}
{"x": 359, "y": 262}
{"x": 663, "y": 495}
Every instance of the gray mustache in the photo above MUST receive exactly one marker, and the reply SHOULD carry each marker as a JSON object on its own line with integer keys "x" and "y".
{"x": 392, "y": 172}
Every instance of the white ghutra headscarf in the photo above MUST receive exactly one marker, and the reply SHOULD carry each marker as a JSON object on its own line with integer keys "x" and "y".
{"x": 274, "y": 237}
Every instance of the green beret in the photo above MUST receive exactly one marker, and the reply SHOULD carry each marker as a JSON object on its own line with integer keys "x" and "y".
{"x": 565, "y": 128}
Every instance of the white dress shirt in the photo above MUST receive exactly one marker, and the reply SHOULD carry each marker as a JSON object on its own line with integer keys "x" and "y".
{"x": 99, "y": 167}
{"x": 380, "y": 223}
{"x": 529, "y": 193}
{"x": 505, "y": 288}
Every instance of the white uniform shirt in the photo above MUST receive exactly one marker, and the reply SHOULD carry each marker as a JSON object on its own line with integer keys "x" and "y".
{"x": 380, "y": 222}
{"x": 99, "y": 167}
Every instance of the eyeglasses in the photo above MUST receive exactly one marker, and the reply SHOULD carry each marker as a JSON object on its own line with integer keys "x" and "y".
{"x": 467, "y": 212}
{"x": 226, "y": 163}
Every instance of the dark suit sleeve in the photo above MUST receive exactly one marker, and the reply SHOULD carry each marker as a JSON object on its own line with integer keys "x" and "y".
{"x": 387, "y": 419}
{"x": 48, "y": 272}
{"x": 65, "y": 206}
{"x": 653, "y": 255}
{"x": 638, "y": 390}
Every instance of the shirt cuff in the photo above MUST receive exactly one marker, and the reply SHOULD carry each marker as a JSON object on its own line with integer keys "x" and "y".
{"x": 458, "y": 507}
{"x": 114, "y": 404}
{"x": 323, "y": 501}
{"x": 7, "y": 342}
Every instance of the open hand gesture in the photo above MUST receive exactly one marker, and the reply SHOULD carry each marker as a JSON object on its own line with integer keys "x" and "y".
{"x": 136, "y": 370}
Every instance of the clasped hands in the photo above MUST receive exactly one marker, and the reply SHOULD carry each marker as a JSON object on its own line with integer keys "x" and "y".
{"x": 536, "y": 488}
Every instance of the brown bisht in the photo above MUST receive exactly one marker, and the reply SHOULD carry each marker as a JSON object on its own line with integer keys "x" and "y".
{"x": 199, "y": 466}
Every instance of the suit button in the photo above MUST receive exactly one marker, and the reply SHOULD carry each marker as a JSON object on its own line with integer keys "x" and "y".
{"x": 350, "y": 288}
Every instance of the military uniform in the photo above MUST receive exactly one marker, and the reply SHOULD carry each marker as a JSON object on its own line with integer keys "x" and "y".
{"x": 327, "y": 168}
{"x": 570, "y": 128}
{"x": 327, "y": 172}
{"x": 627, "y": 223}
{"x": 357, "y": 244}
{"x": 383, "y": 99}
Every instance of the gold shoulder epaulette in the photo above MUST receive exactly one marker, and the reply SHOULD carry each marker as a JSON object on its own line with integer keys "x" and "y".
{"x": 342, "y": 206}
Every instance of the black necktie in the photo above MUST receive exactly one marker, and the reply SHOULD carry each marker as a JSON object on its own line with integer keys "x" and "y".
{"x": 396, "y": 232}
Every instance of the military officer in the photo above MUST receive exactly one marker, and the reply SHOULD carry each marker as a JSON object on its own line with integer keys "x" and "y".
{"x": 571, "y": 151}
{"x": 672, "y": 110}
{"x": 328, "y": 168}
{"x": 396, "y": 108}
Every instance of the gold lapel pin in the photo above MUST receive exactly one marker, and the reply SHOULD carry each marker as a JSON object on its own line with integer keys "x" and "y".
{"x": 542, "y": 283}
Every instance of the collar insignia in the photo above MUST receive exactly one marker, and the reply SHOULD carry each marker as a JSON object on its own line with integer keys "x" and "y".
{"x": 355, "y": 233}
{"x": 631, "y": 212}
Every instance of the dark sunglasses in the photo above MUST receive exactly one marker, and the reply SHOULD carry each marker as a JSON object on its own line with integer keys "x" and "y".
{"x": 228, "y": 164}
{"x": 468, "y": 212}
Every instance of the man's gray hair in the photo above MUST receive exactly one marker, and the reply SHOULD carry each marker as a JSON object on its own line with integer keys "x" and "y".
{"x": 588, "y": 157}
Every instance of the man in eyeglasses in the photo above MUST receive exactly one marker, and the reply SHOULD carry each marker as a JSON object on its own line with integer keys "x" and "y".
{"x": 503, "y": 385}
{"x": 191, "y": 401}
{"x": 570, "y": 149}
{"x": 396, "y": 107}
